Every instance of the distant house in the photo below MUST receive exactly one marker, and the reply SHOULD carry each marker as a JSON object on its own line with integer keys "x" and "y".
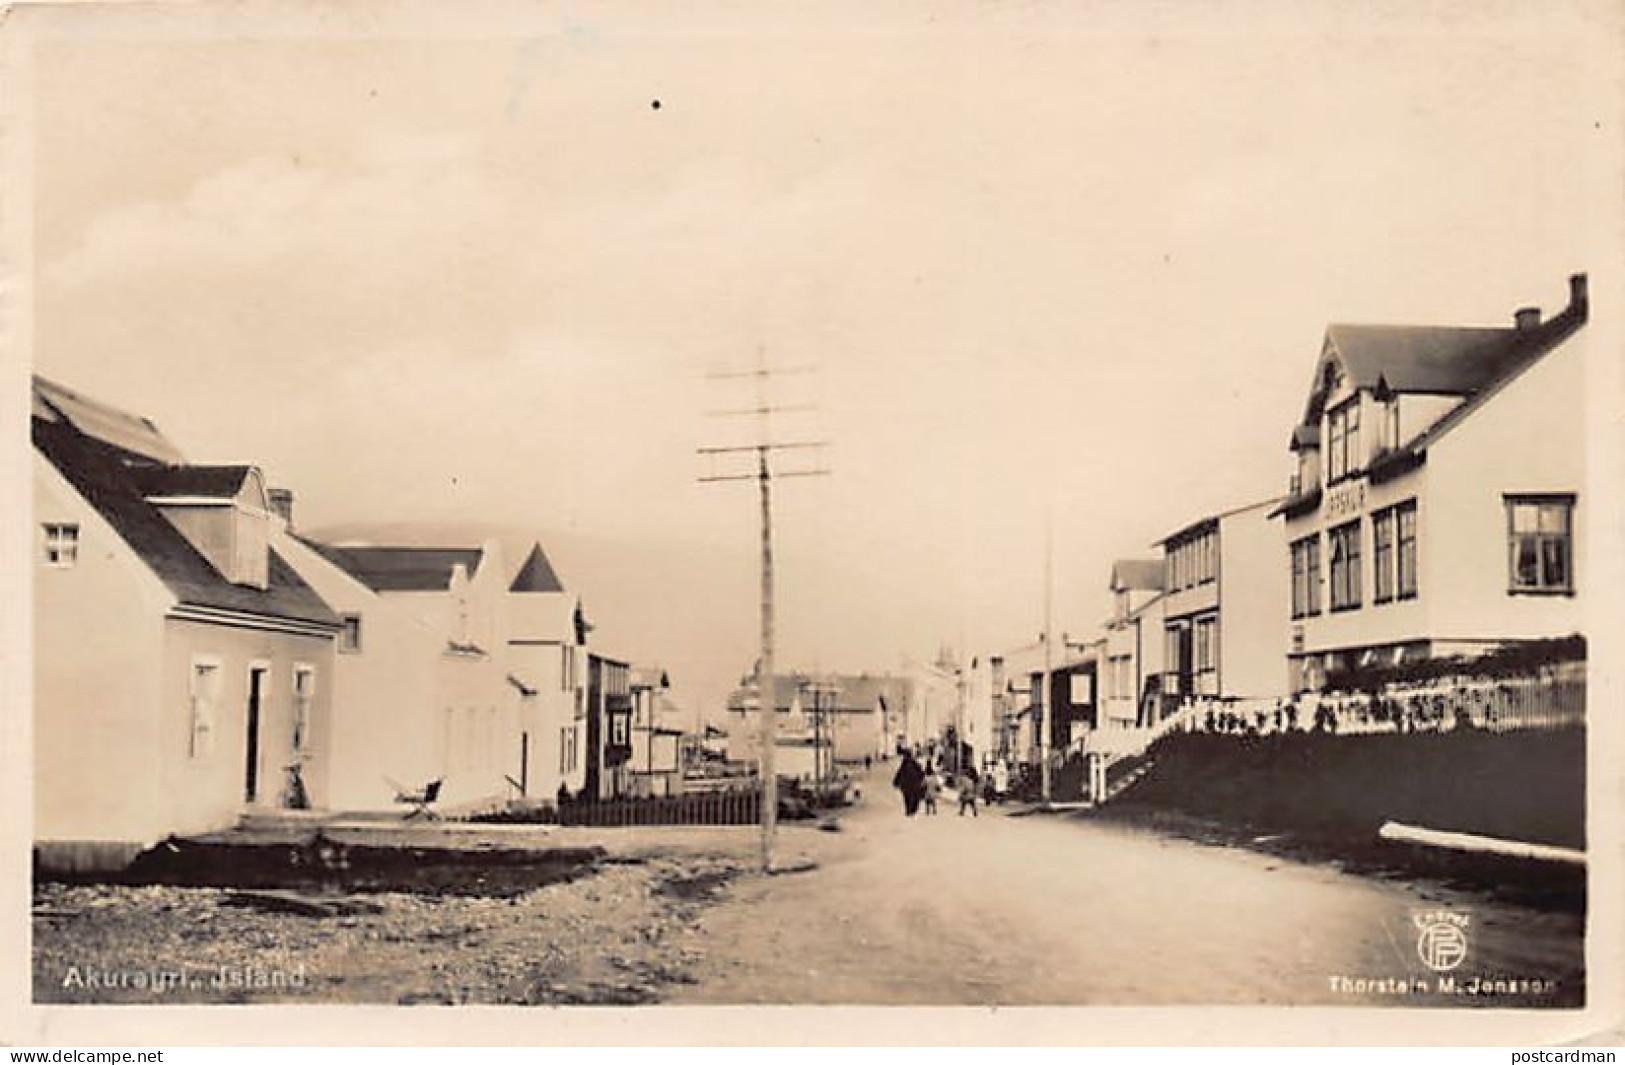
{"x": 1133, "y": 652}
{"x": 1225, "y": 605}
{"x": 182, "y": 669}
{"x": 1437, "y": 504}
{"x": 852, "y": 716}
{"x": 656, "y": 761}
{"x": 608, "y": 773}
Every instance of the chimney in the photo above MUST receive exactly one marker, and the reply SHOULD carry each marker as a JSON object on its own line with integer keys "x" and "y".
{"x": 1526, "y": 318}
{"x": 1579, "y": 298}
{"x": 281, "y": 500}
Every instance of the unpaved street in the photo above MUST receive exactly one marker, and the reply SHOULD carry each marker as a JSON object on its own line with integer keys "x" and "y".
{"x": 1034, "y": 910}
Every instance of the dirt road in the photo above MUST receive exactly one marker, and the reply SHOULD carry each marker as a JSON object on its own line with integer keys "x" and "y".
{"x": 1037, "y": 910}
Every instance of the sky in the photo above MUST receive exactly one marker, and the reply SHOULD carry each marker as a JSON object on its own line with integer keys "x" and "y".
{"x": 1050, "y": 264}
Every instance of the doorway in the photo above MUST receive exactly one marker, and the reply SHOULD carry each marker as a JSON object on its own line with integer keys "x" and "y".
{"x": 257, "y": 676}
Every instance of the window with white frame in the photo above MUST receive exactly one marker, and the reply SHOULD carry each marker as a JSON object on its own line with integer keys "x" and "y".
{"x": 1540, "y": 543}
{"x": 1405, "y": 516}
{"x": 304, "y": 694}
{"x": 1207, "y": 644}
{"x": 1382, "y": 556}
{"x": 1306, "y": 576}
{"x": 61, "y": 545}
{"x": 1344, "y": 546}
{"x": 1343, "y": 455}
{"x": 1393, "y": 552}
{"x": 203, "y": 691}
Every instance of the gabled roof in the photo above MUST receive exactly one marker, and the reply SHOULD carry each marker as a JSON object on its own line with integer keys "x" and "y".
{"x": 400, "y": 569}
{"x": 650, "y": 677}
{"x": 101, "y": 474}
{"x": 537, "y": 574}
{"x": 1137, "y": 575}
{"x": 1448, "y": 360}
{"x": 213, "y": 482}
{"x": 1466, "y": 361}
{"x": 136, "y": 437}
{"x": 1216, "y": 518}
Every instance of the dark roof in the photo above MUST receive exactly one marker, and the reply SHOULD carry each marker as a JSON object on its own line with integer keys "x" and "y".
{"x": 1137, "y": 574}
{"x": 400, "y": 569}
{"x": 537, "y": 574}
{"x": 101, "y": 474}
{"x": 137, "y": 437}
{"x": 1449, "y": 360}
{"x": 217, "y": 482}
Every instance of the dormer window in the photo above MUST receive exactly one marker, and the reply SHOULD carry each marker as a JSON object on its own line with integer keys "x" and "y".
{"x": 1343, "y": 456}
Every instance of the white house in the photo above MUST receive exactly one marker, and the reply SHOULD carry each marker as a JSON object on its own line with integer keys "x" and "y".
{"x": 454, "y": 665}
{"x": 1131, "y": 662}
{"x": 1225, "y": 606}
{"x": 1436, "y": 504}
{"x": 182, "y": 669}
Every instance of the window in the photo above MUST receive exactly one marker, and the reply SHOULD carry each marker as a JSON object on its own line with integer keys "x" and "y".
{"x": 1306, "y": 577}
{"x": 618, "y": 725}
{"x": 304, "y": 691}
{"x": 61, "y": 545}
{"x": 1343, "y": 433}
{"x": 204, "y": 692}
{"x": 1207, "y": 644}
{"x": 567, "y": 749}
{"x": 567, "y": 672}
{"x": 1382, "y": 556}
{"x": 1540, "y": 544}
{"x": 350, "y": 635}
{"x": 1345, "y": 564}
{"x": 1407, "y": 549}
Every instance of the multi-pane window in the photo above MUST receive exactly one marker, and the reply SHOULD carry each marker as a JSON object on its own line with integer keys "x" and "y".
{"x": 1393, "y": 552}
{"x": 61, "y": 545}
{"x": 1192, "y": 561}
{"x": 1382, "y": 556}
{"x": 304, "y": 692}
{"x": 1540, "y": 543}
{"x": 1406, "y": 516}
{"x": 203, "y": 690}
{"x": 1306, "y": 577}
{"x": 1343, "y": 543}
{"x": 1343, "y": 440}
{"x": 1207, "y": 644}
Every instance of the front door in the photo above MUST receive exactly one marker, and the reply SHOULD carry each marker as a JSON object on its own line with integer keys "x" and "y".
{"x": 251, "y": 768}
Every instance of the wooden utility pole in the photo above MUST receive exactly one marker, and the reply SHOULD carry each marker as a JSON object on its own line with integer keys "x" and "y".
{"x": 763, "y": 448}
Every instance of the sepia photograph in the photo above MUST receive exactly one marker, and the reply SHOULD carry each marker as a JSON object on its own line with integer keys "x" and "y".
{"x": 924, "y": 504}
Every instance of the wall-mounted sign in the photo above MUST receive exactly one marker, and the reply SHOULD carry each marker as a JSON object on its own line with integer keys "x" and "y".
{"x": 1083, "y": 689}
{"x": 1347, "y": 500}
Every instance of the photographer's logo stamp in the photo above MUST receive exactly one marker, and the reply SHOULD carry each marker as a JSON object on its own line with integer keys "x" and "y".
{"x": 1441, "y": 940}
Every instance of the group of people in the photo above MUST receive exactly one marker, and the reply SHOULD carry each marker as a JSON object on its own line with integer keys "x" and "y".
{"x": 922, "y": 785}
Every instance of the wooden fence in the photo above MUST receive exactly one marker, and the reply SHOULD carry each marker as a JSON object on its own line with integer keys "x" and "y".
{"x": 736, "y": 807}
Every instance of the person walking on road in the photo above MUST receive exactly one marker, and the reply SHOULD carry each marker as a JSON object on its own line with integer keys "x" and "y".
{"x": 933, "y": 787}
{"x": 910, "y": 780}
{"x": 967, "y": 791}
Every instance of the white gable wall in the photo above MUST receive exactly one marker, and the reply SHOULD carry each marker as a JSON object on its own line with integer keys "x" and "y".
{"x": 96, "y": 633}
{"x": 1530, "y": 438}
